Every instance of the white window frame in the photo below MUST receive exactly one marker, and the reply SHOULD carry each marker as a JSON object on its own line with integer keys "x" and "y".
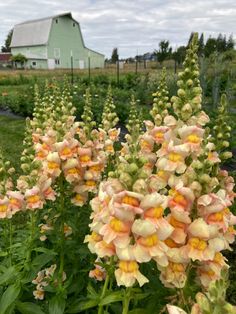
{"x": 57, "y": 53}
{"x": 57, "y": 62}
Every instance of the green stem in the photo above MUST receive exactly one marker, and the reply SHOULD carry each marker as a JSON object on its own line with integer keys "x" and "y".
{"x": 104, "y": 290}
{"x": 62, "y": 234}
{"x": 126, "y": 301}
{"x": 31, "y": 238}
{"x": 10, "y": 242}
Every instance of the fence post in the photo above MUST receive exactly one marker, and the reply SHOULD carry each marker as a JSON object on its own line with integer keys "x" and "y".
{"x": 118, "y": 71}
{"x": 71, "y": 65}
{"x": 89, "y": 67}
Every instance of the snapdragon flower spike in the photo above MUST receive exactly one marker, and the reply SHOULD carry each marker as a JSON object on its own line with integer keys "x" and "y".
{"x": 109, "y": 116}
{"x": 127, "y": 219}
{"x": 151, "y": 140}
{"x": 161, "y": 103}
{"x": 222, "y": 130}
{"x": 199, "y": 193}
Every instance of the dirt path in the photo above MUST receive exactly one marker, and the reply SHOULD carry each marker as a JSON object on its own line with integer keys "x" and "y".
{"x": 7, "y": 113}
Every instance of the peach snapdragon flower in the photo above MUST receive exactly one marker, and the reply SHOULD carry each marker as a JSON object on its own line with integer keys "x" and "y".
{"x": 4, "y": 202}
{"x": 174, "y": 160}
{"x": 128, "y": 272}
{"x": 192, "y": 136}
{"x": 33, "y": 198}
{"x": 16, "y": 201}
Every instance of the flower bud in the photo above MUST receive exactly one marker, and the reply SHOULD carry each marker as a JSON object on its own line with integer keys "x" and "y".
{"x": 205, "y": 178}
{"x": 25, "y": 167}
{"x": 203, "y": 302}
{"x": 196, "y": 164}
{"x": 225, "y": 143}
{"x": 132, "y": 168}
{"x": 126, "y": 178}
{"x": 181, "y": 92}
{"x": 187, "y": 108}
{"x": 226, "y": 155}
{"x": 189, "y": 82}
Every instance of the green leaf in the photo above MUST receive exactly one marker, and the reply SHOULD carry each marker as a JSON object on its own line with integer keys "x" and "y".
{"x": 92, "y": 291}
{"x": 83, "y": 305}
{"x": 8, "y": 274}
{"x": 140, "y": 296}
{"x": 41, "y": 260}
{"x": 8, "y": 297}
{"x": 57, "y": 305}
{"x": 2, "y": 254}
{"x": 112, "y": 297}
{"x": 28, "y": 308}
{"x": 44, "y": 250}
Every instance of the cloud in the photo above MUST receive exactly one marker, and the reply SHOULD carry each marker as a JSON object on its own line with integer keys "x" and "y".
{"x": 128, "y": 25}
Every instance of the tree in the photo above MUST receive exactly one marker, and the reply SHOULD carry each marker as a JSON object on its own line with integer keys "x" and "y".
{"x": 230, "y": 43}
{"x": 190, "y": 39}
{"x": 210, "y": 46}
{"x": 114, "y": 55}
{"x": 19, "y": 58}
{"x": 179, "y": 55}
{"x": 164, "y": 51}
{"x": 6, "y": 47}
{"x": 221, "y": 43}
{"x": 201, "y": 46}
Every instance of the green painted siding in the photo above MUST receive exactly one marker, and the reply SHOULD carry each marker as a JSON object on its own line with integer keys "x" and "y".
{"x": 96, "y": 59}
{"x": 65, "y": 38}
{"x": 36, "y": 54}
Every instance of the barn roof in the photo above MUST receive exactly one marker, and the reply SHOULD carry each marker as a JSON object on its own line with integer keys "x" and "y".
{"x": 34, "y": 32}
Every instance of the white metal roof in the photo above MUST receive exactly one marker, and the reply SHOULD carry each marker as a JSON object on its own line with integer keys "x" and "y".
{"x": 33, "y": 33}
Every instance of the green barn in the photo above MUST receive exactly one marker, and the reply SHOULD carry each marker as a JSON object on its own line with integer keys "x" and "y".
{"x": 54, "y": 42}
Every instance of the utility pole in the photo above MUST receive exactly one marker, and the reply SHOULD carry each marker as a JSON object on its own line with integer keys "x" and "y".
{"x": 136, "y": 63}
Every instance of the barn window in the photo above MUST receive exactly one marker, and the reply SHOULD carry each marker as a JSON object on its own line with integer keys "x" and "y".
{"x": 73, "y": 24}
{"x": 57, "y": 53}
{"x": 34, "y": 63}
{"x": 56, "y": 20}
{"x": 57, "y": 61}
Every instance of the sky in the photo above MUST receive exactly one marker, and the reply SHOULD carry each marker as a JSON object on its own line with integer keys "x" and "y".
{"x": 133, "y": 26}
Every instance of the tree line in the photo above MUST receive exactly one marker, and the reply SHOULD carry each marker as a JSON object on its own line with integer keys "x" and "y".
{"x": 213, "y": 45}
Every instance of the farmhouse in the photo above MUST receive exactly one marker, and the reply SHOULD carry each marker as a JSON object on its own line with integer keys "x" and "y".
{"x": 54, "y": 42}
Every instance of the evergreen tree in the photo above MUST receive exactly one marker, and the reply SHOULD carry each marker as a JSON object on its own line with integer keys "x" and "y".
{"x": 114, "y": 55}
{"x": 190, "y": 39}
{"x": 210, "y": 46}
{"x": 6, "y": 47}
{"x": 201, "y": 45}
{"x": 221, "y": 43}
{"x": 230, "y": 43}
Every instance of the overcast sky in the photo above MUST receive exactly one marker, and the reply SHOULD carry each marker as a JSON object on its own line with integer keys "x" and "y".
{"x": 131, "y": 25}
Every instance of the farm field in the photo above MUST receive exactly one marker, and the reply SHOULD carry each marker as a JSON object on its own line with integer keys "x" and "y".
{"x": 90, "y": 225}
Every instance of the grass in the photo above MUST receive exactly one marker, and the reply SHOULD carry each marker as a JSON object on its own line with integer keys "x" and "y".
{"x": 11, "y": 138}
